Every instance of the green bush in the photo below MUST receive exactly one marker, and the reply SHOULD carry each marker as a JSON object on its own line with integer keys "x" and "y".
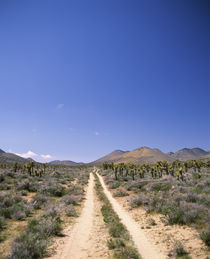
{"x": 174, "y": 214}
{"x": 161, "y": 187}
{"x": 179, "y": 249}
{"x": 70, "y": 211}
{"x": 2, "y": 223}
{"x": 115, "y": 243}
{"x": 117, "y": 230}
{"x": 205, "y": 236}
{"x": 127, "y": 252}
{"x": 29, "y": 246}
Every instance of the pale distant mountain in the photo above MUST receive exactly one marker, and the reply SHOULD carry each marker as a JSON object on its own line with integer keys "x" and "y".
{"x": 188, "y": 154}
{"x": 65, "y": 163}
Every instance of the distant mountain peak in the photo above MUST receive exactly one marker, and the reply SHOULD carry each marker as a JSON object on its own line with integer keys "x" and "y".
{"x": 143, "y": 148}
{"x": 1, "y": 151}
{"x": 118, "y": 151}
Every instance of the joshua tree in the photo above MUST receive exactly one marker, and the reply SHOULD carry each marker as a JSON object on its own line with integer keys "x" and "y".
{"x": 115, "y": 171}
{"x": 44, "y": 167}
{"x": 15, "y": 166}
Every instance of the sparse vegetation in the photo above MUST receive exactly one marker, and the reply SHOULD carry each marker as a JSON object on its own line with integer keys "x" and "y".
{"x": 41, "y": 196}
{"x": 179, "y": 250}
{"x": 120, "y": 241}
{"x": 205, "y": 236}
{"x": 178, "y": 190}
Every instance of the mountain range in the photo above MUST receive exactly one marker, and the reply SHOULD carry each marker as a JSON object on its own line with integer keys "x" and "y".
{"x": 152, "y": 155}
{"x": 65, "y": 162}
{"x": 138, "y": 156}
{"x": 11, "y": 158}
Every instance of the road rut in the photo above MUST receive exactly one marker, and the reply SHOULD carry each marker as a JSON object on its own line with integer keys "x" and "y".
{"x": 145, "y": 248}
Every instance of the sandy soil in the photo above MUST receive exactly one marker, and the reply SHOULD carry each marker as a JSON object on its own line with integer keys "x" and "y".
{"x": 162, "y": 236}
{"x": 142, "y": 243}
{"x": 87, "y": 238}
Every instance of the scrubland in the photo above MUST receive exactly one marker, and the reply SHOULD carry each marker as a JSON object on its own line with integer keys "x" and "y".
{"x": 160, "y": 195}
{"x": 35, "y": 205}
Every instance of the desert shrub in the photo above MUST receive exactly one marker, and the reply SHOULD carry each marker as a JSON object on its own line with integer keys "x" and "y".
{"x": 127, "y": 252}
{"x": 70, "y": 211}
{"x": 39, "y": 200}
{"x": 136, "y": 185}
{"x": 109, "y": 216}
{"x": 156, "y": 187}
{"x": 13, "y": 206}
{"x": 115, "y": 243}
{"x": 71, "y": 199}
{"x": 18, "y": 215}
{"x": 192, "y": 213}
{"x": 83, "y": 179}
{"x": 198, "y": 190}
{"x": 33, "y": 243}
{"x": 5, "y": 186}
{"x": 179, "y": 249}
{"x": 76, "y": 189}
{"x": 120, "y": 193}
{"x": 2, "y": 238}
{"x": 53, "y": 189}
{"x": 49, "y": 226}
{"x": 2, "y": 177}
{"x": 28, "y": 184}
{"x": 205, "y": 236}
{"x": 24, "y": 193}
{"x": 174, "y": 215}
{"x": 151, "y": 222}
{"x": 118, "y": 230}
{"x": 192, "y": 197}
{"x": 114, "y": 185}
{"x": 2, "y": 223}
{"x": 136, "y": 201}
{"x": 29, "y": 246}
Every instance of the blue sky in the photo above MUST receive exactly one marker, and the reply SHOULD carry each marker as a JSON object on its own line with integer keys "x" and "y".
{"x": 81, "y": 78}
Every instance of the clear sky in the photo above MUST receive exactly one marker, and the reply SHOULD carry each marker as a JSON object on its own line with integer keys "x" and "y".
{"x": 81, "y": 78}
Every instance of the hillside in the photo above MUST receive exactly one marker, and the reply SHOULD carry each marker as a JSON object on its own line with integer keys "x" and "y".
{"x": 151, "y": 155}
{"x": 11, "y": 158}
{"x": 1, "y": 151}
{"x": 188, "y": 154}
{"x": 114, "y": 156}
{"x": 64, "y": 162}
{"x": 144, "y": 155}
{"x": 206, "y": 157}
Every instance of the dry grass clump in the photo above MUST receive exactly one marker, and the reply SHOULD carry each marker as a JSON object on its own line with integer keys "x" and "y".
{"x": 120, "y": 192}
{"x": 179, "y": 251}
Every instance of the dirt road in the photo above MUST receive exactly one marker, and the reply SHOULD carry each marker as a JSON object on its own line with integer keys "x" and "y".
{"x": 88, "y": 237}
{"x": 144, "y": 247}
